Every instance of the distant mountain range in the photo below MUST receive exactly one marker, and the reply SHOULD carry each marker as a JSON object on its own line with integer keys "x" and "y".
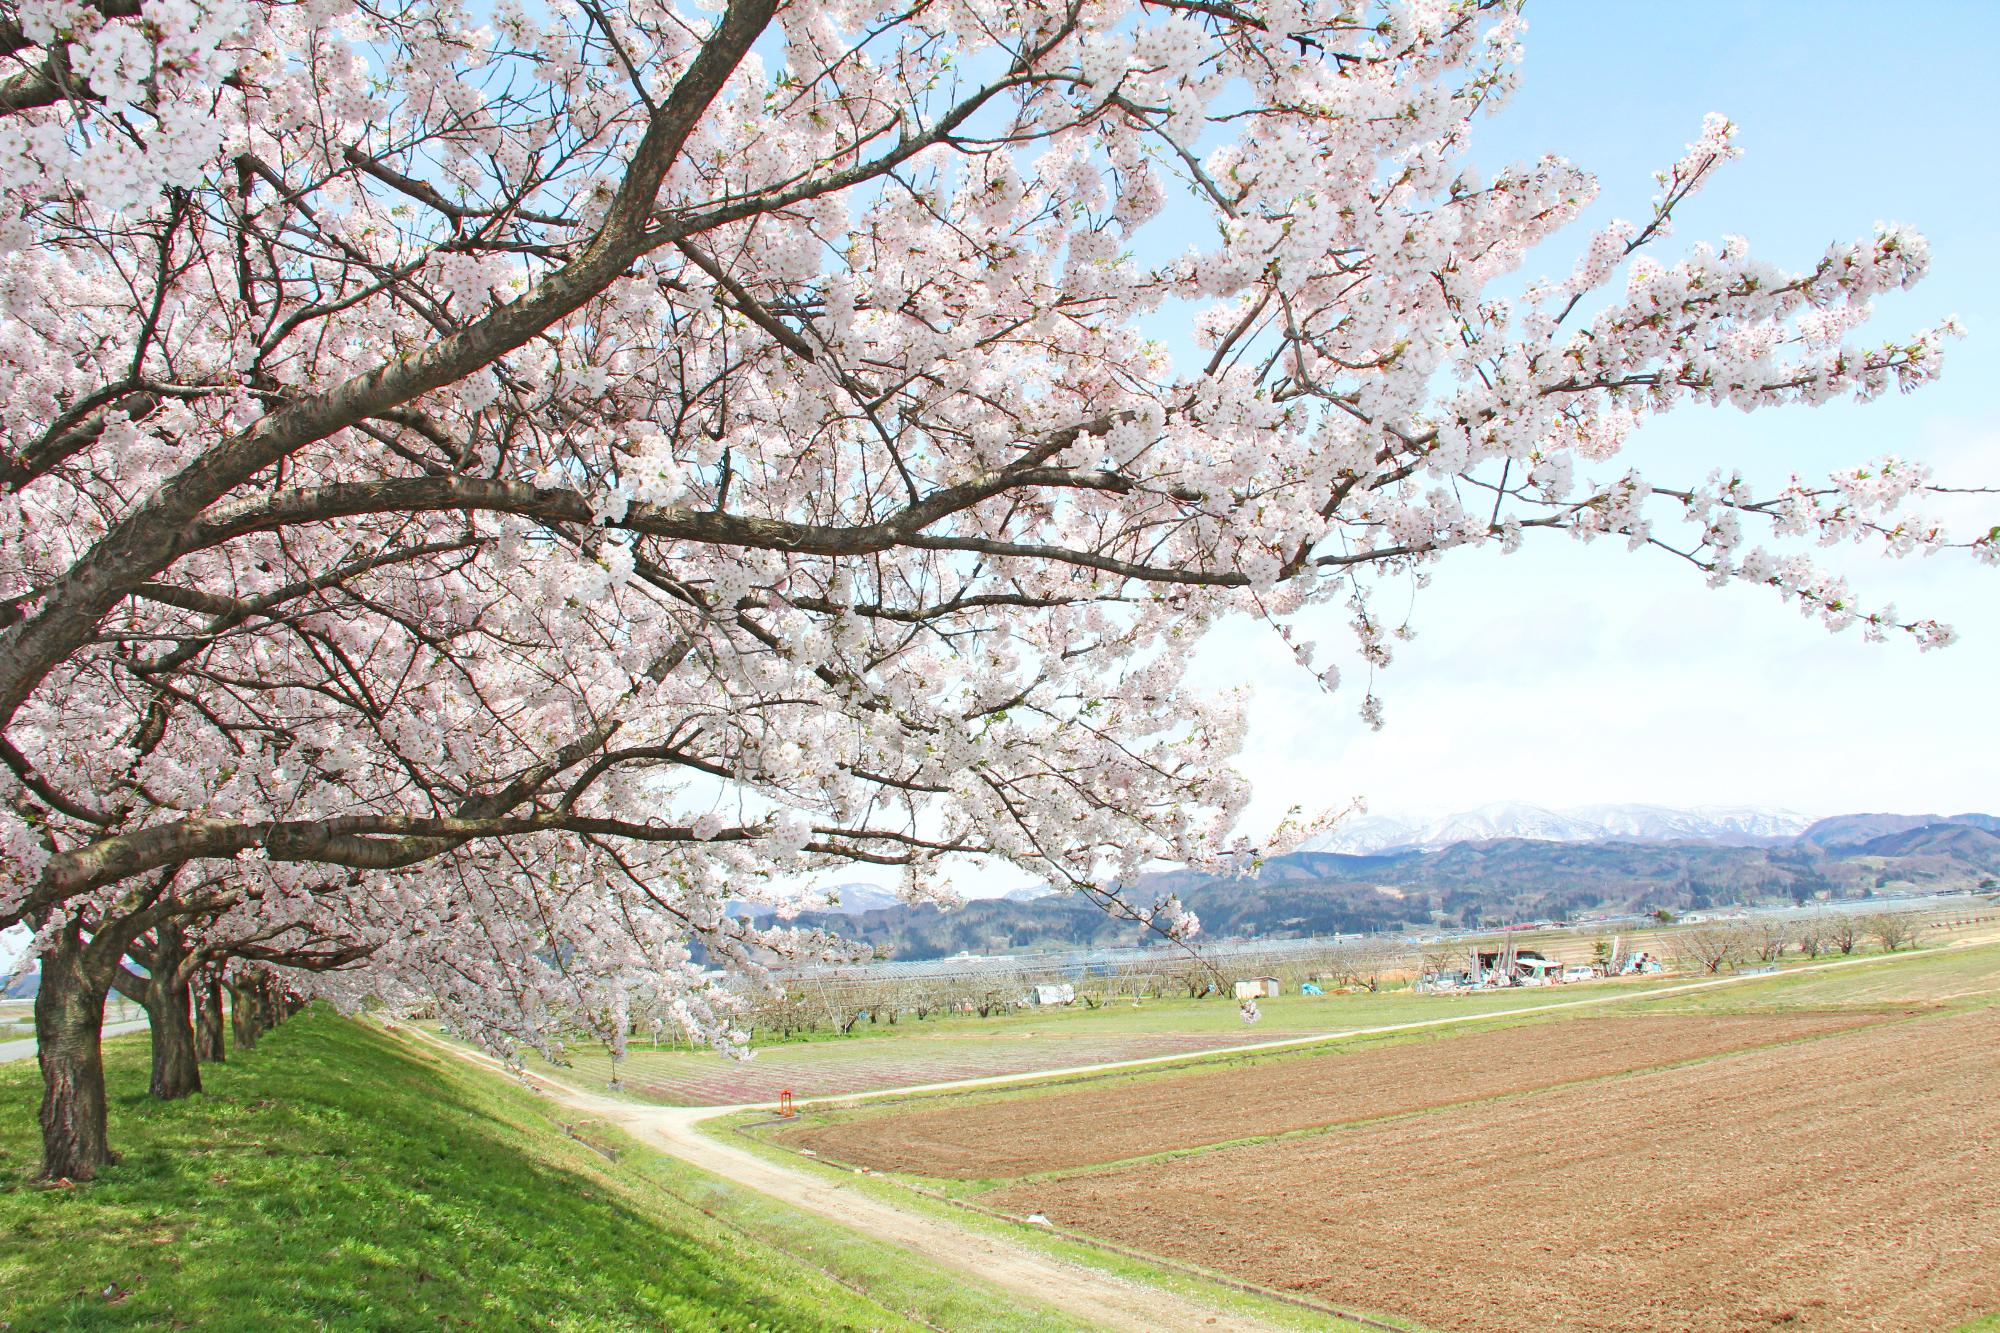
{"x": 844, "y": 900}
{"x": 1884, "y": 832}
{"x": 855, "y": 899}
{"x": 1558, "y": 870}
{"x": 1730, "y": 825}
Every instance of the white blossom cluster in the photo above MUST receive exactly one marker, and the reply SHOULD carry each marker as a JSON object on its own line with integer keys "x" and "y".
{"x": 493, "y": 487}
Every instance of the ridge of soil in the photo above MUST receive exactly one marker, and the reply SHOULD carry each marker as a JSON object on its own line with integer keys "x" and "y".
{"x": 1851, "y": 1182}
{"x": 1109, "y": 1120}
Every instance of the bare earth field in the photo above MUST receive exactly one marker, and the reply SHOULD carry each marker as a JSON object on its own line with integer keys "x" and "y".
{"x": 1112, "y": 1120}
{"x": 1851, "y": 1182}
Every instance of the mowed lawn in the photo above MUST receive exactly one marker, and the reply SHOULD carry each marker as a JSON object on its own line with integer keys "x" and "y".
{"x": 335, "y": 1179}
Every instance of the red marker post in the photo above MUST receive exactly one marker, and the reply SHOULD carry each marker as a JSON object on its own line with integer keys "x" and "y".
{"x": 785, "y": 1103}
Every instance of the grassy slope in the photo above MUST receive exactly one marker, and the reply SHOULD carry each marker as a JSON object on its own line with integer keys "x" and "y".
{"x": 335, "y": 1179}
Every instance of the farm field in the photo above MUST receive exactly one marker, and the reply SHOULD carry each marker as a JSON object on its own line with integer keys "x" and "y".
{"x": 1844, "y": 1182}
{"x": 915, "y": 1053}
{"x": 1809, "y": 1149}
{"x": 1107, "y": 1120}
{"x": 948, "y": 1047}
{"x": 1958, "y": 976}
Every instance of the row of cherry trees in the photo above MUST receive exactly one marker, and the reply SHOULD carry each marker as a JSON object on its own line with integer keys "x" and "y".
{"x": 481, "y": 488}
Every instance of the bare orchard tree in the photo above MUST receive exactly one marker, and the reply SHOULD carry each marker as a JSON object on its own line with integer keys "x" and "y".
{"x": 1893, "y": 930}
{"x": 1375, "y": 961}
{"x": 1711, "y": 948}
{"x": 1843, "y": 932}
{"x": 1771, "y": 937}
{"x": 1815, "y": 935}
{"x": 1442, "y": 956}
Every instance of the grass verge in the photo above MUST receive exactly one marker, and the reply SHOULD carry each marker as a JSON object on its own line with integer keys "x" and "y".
{"x": 335, "y": 1179}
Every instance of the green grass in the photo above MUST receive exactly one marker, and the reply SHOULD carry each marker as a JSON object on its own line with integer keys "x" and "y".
{"x": 957, "y": 1035}
{"x": 588, "y": 1064}
{"x": 337, "y": 1179}
{"x": 1949, "y": 976}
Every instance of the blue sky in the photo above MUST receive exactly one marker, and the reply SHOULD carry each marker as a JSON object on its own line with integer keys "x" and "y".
{"x": 1570, "y": 675}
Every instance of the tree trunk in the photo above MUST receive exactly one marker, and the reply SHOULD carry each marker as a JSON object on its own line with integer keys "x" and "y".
{"x": 176, "y": 1072}
{"x": 242, "y": 1015}
{"x": 69, "y": 1026}
{"x": 165, "y": 993}
{"x": 208, "y": 1018}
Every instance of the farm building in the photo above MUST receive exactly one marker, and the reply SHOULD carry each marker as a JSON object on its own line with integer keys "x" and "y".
{"x": 1257, "y": 988}
{"x": 1508, "y": 966}
{"x": 1058, "y": 994}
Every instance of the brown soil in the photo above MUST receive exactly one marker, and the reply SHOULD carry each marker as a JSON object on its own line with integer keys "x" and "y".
{"x": 1848, "y": 1183}
{"x": 1109, "y": 1120}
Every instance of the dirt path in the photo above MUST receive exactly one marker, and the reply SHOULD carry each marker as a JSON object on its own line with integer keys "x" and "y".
{"x": 1101, "y": 1299}
{"x": 1105, "y": 1300}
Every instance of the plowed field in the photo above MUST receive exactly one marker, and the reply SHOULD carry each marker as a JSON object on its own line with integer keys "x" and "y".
{"x": 1851, "y": 1182}
{"x": 1111, "y": 1120}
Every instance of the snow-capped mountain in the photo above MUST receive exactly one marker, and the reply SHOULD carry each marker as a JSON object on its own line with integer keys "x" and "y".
{"x": 1027, "y": 893}
{"x": 847, "y": 900}
{"x": 1586, "y": 823}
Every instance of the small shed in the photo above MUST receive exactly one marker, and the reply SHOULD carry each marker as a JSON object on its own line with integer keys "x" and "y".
{"x": 1061, "y": 994}
{"x": 1257, "y": 988}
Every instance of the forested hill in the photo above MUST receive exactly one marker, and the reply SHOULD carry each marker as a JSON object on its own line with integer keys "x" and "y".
{"x": 1470, "y": 884}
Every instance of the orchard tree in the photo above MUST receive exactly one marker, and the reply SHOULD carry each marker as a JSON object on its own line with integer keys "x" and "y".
{"x": 538, "y": 473}
{"x": 1711, "y": 948}
{"x": 1893, "y": 930}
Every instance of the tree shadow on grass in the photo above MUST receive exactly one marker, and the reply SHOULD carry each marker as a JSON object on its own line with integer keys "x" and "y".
{"x": 332, "y": 1179}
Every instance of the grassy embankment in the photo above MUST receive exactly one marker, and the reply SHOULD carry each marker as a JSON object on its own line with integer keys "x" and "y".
{"x": 335, "y": 1178}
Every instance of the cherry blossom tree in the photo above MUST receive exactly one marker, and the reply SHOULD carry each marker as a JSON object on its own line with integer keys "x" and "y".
{"x": 528, "y": 476}
{"x": 185, "y": 956}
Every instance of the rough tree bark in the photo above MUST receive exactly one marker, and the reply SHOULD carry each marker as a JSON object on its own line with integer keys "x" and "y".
{"x": 166, "y": 993}
{"x": 242, "y": 1015}
{"x": 69, "y": 1026}
{"x": 170, "y": 1007}
{"x": 208, "y": 1044}
{"x": 176, "y": 1070}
